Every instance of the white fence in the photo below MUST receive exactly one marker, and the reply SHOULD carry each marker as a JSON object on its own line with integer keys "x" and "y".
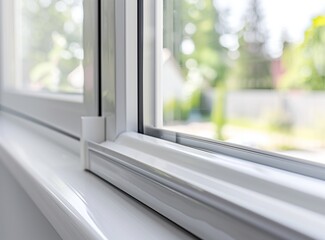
{"x": 302, "y": 108}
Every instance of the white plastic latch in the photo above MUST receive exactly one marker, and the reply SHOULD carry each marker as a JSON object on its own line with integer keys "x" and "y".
{"x": 92, "y": 130}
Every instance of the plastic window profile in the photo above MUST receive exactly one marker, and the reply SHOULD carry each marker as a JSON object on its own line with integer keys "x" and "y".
{"x": 131, "y": 163}
{"x": 119, "y": 67}
{"x": 209, "y": 195}
{"x": 59, "y": 111}
{"x": 286, "y": 163}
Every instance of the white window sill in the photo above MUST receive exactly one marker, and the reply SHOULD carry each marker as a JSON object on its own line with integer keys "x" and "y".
{"x": 212, "y": 195}
{"x": 78, "y": 204}
{"x": 243, "y": 200}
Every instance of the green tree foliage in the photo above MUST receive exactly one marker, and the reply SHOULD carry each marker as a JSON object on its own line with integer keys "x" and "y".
{"x": 305, "y": 62}
{"x": 191, "y": 34}
{"x": 198, "y": 21}
{"x": 253, "y": 66}
{"x": 51, "y": 42}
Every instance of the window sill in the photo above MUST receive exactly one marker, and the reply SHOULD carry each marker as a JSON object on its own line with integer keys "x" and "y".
{"x": 211, "y": 195}
{"x": 78, "y": 204}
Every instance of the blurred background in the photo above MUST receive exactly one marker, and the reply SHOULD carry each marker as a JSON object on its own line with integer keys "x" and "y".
{"x": 250, "y": 72}
{"x": 50, "y": 46}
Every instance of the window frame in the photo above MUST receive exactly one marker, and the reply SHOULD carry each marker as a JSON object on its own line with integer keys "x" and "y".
{"x": 142, "y": 166}
{"x": 119, "y": 102}
{"x": 151, "y": 109}
{"x": 59, "y": 111}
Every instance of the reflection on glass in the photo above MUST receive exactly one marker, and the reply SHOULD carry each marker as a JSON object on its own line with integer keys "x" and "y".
{"x": 250, "y": 72}
{"x": 50, "y": 50}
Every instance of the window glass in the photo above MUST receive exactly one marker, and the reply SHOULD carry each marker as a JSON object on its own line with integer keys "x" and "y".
{"x": 249, "y": 72}
{"x": 49, "y": 46}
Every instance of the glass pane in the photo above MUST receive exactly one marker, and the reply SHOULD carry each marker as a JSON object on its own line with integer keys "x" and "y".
{"x": 49, "y": 45}
{"x": 249, "y": 72}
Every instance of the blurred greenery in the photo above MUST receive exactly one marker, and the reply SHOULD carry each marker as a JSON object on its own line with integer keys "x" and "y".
{"x": 193, "y": 36}
{"x": 51, "y": 38}
{"x": 194, "y": 31}
{"x": 194, "y": 27}
{"x": 218, "y": 112}
{"x": 253, "y": 66}
{"x": 305, "y": 62}
{"x": 180, "y": 110}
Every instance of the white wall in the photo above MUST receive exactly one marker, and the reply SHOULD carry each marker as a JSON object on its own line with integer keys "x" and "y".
{"x": 19, "y": 216}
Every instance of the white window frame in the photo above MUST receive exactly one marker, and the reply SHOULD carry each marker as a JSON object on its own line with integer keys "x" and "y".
{"x": 58, "y": 111}
{"x": 119, "y": 66}
{"x": 212, "y": 195}
{"x": 152, "y": 110}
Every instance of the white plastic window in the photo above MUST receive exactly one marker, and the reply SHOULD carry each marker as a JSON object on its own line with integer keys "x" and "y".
{"x": 50, "y": 61}
{"x": 249, "y": 73}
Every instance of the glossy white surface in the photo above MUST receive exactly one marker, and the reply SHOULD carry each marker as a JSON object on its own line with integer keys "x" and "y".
{"x": 273, "y": 201}
{"x": 78, "y": 204}
{"x": 92, "y": 129}
{"x": 119, "y": 61}
{"x": 20, "y": 218}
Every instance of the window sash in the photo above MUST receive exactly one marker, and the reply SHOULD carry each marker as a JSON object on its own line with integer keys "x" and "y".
{"x": 151, "y": 108}
{"x": 119, "y": 103}
{"x": 60, "y": 111}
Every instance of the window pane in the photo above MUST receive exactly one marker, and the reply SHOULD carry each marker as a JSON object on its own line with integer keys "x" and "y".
{"x": 49, "y": 45}
{"x": 250, "y": 72}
